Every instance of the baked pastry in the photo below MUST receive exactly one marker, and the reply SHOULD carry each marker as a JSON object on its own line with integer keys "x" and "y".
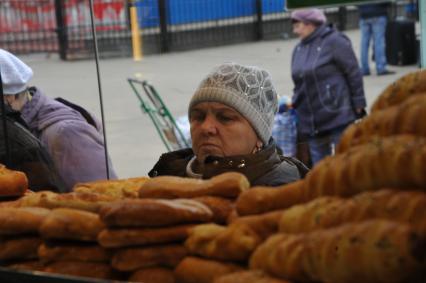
{"x": 48, "y": 252}
{"x": 227, "y": 185}
{"x": 263, "y": 225}
{"x": 77, "y": 200}
{"x": 123, "y": 188}
{"x": 18, "y": 248}
{"x": 411, "y": 84}
{"x": 23, "y": 220}
{"x": 154, "y": 212}
{"x": 71, "y": 224}
{"x": 405, "y": 118}
{"x": 12, "y": 183}
{"x": 264, "y": 199}
{"x": 372, "y": 251}
{"x": 402, "y": 206}
{"x": 153, "y": 275}
{"x": 198, "y": 270}
{"x": 248, "y": 276}
{"x": 33, "y": 265}
{"x": 221, "y": 207}
{"x": 125, "y": 237}
{"x": 232, "y": 243}
{"x": 391, "y": 162}
{"x": 131, "y": 259}
{"x": 84, "y": 269}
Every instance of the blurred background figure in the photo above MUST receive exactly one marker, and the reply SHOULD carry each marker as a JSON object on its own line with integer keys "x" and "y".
{"x": 373, "y": 19}
{"x": 328, "y": 88}
{"x": 72, "y": 137}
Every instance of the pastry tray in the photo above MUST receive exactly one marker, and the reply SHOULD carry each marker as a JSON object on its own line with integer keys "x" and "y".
{"x": 8, "y": 275}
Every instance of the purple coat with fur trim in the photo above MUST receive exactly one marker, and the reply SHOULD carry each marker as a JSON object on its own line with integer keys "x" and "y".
{"x": 75, "y": 146}
{"x": 328, "y": 82}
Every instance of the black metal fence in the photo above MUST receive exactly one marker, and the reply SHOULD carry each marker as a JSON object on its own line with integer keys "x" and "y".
{"x": 64, "y": 26}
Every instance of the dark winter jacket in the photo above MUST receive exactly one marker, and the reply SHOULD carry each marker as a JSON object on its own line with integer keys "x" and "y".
{"x": 373, "y": 10}
{"x": 328, "y": 82}
{"x": 266, "y": 167}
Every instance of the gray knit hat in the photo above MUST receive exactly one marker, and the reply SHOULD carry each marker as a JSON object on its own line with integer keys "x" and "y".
{"x": 247, "y": 89}
{"x": 15, "y": 74}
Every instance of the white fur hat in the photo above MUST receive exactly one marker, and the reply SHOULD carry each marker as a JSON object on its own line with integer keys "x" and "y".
{"x": 15, "y": 74}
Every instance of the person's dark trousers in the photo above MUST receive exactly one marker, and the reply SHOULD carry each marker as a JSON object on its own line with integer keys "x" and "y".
{"x": 324, "y": 145}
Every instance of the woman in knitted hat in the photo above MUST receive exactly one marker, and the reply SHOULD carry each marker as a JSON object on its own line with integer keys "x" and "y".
{"x": 231, "y": 116}
{"x": 75, "y": 146}
{"x": 328, "y": 88}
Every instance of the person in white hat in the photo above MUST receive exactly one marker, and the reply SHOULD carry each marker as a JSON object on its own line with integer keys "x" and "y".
{"x": 231, "y": 116}
{"x": 75, "y": 145}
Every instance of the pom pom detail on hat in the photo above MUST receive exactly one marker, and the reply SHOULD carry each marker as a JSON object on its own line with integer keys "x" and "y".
{"x": 15, "y": 74}
{"x": 247, "y": 89}
{"x": 315, "y": 16}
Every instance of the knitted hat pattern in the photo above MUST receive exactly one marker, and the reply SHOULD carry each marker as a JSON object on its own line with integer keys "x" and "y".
{"x": 247, "y": 89}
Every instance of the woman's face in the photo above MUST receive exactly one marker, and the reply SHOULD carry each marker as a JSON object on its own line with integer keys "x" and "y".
{"x": 303, "y": 30}
{"x": 219, "y": 130}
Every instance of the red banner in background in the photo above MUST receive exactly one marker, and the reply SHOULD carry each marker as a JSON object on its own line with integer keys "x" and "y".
{"x": 38, "y": 15}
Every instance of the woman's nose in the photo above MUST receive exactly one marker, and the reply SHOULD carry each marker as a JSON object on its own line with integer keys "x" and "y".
{"x": 209, "y": 125}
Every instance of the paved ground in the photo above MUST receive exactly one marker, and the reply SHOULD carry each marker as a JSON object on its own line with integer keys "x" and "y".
{"x": 132, "y": 140}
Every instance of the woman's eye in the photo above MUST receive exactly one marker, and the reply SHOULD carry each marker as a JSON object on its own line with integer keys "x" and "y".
{"x": 196, "y": 117}
{"x": 224, "y": 118}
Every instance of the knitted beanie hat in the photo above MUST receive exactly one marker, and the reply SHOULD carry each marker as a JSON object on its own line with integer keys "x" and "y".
{"x": 247, "y": 89}
{"x": 15, "y": 74}
{"x": 314, "y": 15}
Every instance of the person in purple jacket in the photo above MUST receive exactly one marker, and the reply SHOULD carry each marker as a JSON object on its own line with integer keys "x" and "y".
{"x": 328, "y": 90}
{"x": 75, "y": 146}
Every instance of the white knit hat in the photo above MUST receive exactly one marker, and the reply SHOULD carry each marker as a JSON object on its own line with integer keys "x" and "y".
{"x": 15, "y": 74}
{"x": 247, "y": 89}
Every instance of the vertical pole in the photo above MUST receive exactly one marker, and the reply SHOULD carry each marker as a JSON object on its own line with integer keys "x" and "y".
{"x": 342, "y": 18}
{"x": 4, "y": 125}
{"x": 136, "y": 37}
{"x": 163, "y": 26}
{"x": 61, "y": 29}
{"x": 259, "y": 22}
{"x": 422, "y": 11}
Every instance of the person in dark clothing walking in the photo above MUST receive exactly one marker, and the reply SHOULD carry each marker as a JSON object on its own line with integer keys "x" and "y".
{"x": 328, "y": 88}
{"x": 231, "y": 116}
{"x": 372, "y": 22}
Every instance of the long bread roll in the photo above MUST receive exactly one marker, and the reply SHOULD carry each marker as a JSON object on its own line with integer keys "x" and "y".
{"x": 73, "y": 252}
{"x": 12, "y": 183}
{"x": 264, "y": 199}
{"x": 391, "y": 162}
{"x": 125, "y": 237}
{"x": 372, "y": 251}
{"x": 402, "y": 206}
{"x": 122, "y": 188}
{"x": 232, "y": 243}
{"x": 154, "y": 212}
{"x": 18, "y": 248}
{"x": 71, "y": 224}
{"x": 22, "y": 220}
{"x": 248, "y": 276}
{"x": 405, "y": 118}
{"x": 84, "y": 269}
{"x": 153, "y": 275}
{"x": 411, "y": 84}
{"x": 132, "y": 259}
{"x": 198, "y": 270}
{"x": 227, "y": 185}
{"x": 77, "y": 200}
